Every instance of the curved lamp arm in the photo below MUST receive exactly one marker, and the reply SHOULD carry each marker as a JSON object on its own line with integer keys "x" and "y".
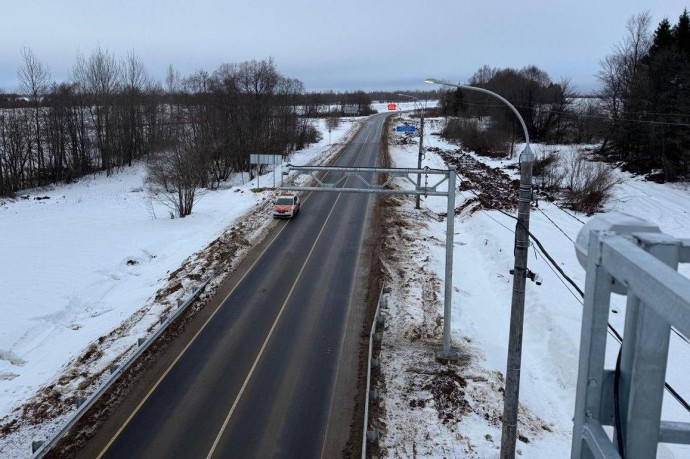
{"x": 528, "y": 150}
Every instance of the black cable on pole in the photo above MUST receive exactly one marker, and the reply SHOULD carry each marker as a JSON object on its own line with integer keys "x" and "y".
{"x": 612, "y": 331}
{"x": 618, "y": 423}
{"x": 554, "y": 224}
{"x": 677, "y": 396}
{"x": 548, "y": 256}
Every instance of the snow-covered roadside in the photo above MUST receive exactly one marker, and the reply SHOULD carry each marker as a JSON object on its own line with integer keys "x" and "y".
{"x": 93, "y": 265}
{"x": 432, "y": 410}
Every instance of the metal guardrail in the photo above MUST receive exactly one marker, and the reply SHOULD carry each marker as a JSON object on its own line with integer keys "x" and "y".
{"x": 630, "y": 397}
{"x": 41, "y": 448}
{"x": 372, "y": 435}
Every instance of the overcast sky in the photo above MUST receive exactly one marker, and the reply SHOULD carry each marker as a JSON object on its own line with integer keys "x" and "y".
{"x": 339, "y": 45}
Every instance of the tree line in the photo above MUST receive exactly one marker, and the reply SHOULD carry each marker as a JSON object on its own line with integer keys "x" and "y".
{"x": 640, "y": 116}
{"x": 646, "y": 93}
{"x": 551, "y": 111}
{"x": 106, "y": 116}
{"x": 111, "y": 112}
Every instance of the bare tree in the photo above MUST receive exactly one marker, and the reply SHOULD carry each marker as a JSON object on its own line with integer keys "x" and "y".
{"x": 332, "y": 122}
{"x": 172, "y": 80}
{"x": 14, "y": 154}
{"x": 618, "y": 75}
{"x": 483, "y": 76}
{"x": 98, "y": 78}
{"x": 134, "y": 82}
{"x": 175, "y": 176}
{"x": 33, "y": 81}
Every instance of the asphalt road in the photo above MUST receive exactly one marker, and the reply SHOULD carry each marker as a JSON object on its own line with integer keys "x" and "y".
{"x": 273, "y": 371}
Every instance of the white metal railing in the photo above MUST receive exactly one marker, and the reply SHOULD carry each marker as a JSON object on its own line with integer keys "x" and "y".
{"x": 629, "y": 398}
{"x": 372, "y": 435}
{"x": 41, "y": 448}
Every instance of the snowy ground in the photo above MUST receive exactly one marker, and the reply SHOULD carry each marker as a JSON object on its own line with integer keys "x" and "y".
{"x": 99, "y": 259}
{"x": 431, "y": 410}
{"x": 91, "y": 266}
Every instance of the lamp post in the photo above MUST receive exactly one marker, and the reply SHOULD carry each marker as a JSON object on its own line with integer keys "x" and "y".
{"x": 421, "y": 147}
{"x": 517, "y": 309}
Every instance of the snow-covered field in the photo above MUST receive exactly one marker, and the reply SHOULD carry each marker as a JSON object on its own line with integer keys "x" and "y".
{"x": 97, "y": 254}
{"x": 431, "y": 410}
{"x": 81, "y": 260}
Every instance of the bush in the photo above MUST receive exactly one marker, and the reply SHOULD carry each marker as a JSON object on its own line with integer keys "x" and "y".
{"x": 488, "y": 141}
{"x": 589, "y": 184}
{"x": 308, "y": 134}
{"x": 547, "y": 169}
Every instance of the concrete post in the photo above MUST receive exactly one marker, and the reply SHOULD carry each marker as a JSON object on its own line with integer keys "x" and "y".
{"x": 517, "y": 309}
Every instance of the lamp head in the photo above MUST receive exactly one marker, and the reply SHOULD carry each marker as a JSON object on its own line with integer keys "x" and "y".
{"x": 433, "y": 81}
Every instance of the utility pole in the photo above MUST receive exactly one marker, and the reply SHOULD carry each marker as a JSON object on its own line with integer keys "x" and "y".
{"x": 419, "y": 157}
{"x": 421, "y": 146}
{"x": 511, "y": 395}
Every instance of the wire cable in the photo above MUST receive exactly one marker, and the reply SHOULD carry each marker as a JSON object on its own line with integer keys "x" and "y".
{"x": 611, "y": 330}
{"x": 554, "y": 224}
{"x": 618, "y": 424}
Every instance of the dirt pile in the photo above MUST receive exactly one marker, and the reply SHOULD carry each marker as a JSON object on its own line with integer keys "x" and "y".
{"x": 493, "y": 188}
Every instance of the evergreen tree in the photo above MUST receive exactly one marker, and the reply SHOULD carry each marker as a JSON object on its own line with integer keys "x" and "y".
{"x": 668, "y": 79}
{"x": 664, "y": 38}
{"x": 453, "y": 103}
{"x": 681, "y": 33}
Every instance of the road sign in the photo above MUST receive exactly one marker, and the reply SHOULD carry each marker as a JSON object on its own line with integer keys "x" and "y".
{"x": 274, "y": 160}
{"x": 406, "y": 128}
{"x": 351, "y": 109}
{"x": 392, "y": 107}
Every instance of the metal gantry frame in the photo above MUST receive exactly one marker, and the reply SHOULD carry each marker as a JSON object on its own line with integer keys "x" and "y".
{"x": 631, "y": 397}
{"x": 446, "y": 353}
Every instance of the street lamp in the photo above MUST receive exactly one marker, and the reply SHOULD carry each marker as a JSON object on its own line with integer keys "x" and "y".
{"x": 517, "y": 309}
{"x": 421, "y": 148}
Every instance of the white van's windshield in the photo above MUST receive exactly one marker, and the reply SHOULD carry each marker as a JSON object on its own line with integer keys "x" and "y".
{"x": 284, "y": 201}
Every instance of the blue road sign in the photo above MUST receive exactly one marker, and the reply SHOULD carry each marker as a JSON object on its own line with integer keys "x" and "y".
{"x": 406, "y": 128}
